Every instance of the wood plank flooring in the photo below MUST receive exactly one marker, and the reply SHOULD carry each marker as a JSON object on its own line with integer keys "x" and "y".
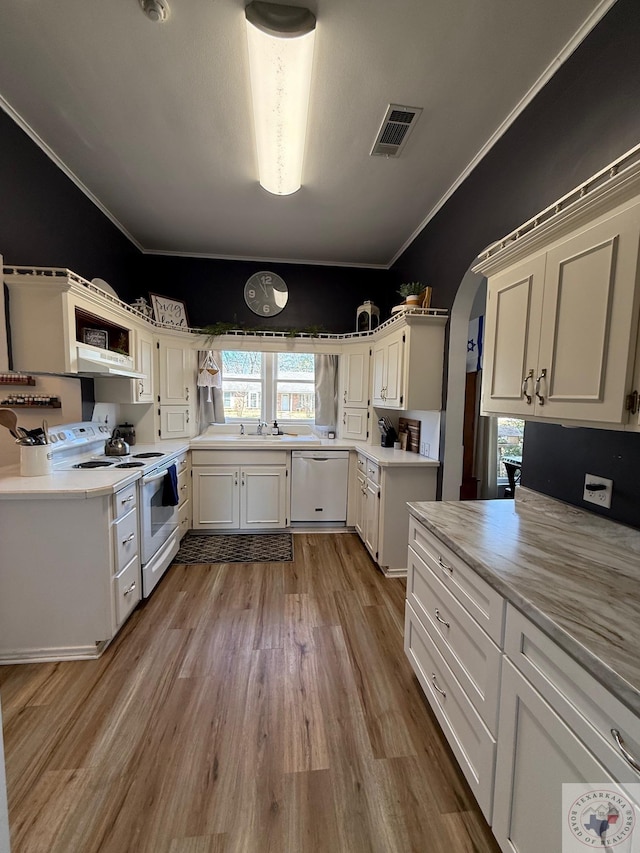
{"x": 245, "y": 708}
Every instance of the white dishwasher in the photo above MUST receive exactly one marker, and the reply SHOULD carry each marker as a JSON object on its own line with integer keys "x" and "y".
{"x": 319, "y": 485}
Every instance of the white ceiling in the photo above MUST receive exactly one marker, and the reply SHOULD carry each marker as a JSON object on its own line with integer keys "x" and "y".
{"x": 153, "y": 121}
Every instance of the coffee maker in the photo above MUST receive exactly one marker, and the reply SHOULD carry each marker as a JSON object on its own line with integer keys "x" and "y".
{"x": 387, "y": 432}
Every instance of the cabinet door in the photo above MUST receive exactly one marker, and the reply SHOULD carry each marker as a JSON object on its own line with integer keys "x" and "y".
{"x": 537, "y": 752}
{"x": 216, "y": 499}
{"x": 394, "y": 378}
{"x": 354, "y": 424}
{"x": 372, "y": 518}
{"x": 355, "y": 378}
{"x": 589, "y": 323}
{"x": 514, "y": 310}
{"x": 263, "y": 496}
{"x": 378, "y": 369}
{"x": 144, "y": 364}
{"x": 175, "y": 374}
{"x": 175, "y": 421}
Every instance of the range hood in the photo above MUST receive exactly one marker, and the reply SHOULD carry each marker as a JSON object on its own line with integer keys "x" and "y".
{"x": 93, "y": 361}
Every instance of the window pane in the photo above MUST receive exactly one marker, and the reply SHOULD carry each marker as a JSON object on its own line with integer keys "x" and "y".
{"x": 296, "y": 365}
{"x": 295, "y": 401}
{"x": 242, "y": 384}
{"x": 295, "y": 386}
{"x": 510, "y": 442}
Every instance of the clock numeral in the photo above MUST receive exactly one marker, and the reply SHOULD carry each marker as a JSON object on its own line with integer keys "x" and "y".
{"x": 266, "y": 279}
{"x": 251, "y": 293}
{"x": 266, "y": 309}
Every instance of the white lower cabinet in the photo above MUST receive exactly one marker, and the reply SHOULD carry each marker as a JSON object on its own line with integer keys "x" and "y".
{"x": 555, "y": 728}
{"x": 454, "y": 656}
{"x": 521, "y": 716}
{"x": 229, "y": 497}
{"x": 382, "y": 517}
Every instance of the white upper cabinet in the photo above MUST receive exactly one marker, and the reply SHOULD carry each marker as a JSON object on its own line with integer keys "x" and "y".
{"x": 177, "y": 373}
{"x": 562, "y": 309}
{"x": 407, "y": 366}
{"x": 144, "y": 364}
{"x": 354, "y": 377}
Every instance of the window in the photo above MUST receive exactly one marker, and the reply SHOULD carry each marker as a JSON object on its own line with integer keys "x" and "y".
{"x": 510, "y": 441}
{"x": 266, "y": 386}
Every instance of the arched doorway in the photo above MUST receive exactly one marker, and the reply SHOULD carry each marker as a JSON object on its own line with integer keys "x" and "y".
{"x": 456, "y": 372}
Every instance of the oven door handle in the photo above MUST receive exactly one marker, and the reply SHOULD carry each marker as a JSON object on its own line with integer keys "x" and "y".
{"x": 151, "y": 478}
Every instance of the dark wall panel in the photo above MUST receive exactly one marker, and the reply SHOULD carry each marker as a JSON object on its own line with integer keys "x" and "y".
{"x": 557, "y": 458}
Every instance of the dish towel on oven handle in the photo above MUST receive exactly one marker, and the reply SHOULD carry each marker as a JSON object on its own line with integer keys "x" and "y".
{"x": 170, "y": 496}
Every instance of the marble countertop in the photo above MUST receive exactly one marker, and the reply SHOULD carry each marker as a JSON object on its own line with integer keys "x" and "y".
{"x": 574, "y": 574}
{"x": 76, "y": 484}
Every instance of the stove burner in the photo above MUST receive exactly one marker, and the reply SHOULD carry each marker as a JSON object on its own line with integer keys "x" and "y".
{"x": 94, "y": 464}
{"x": 146, "y": 455}
{"x": 130, "y": 465}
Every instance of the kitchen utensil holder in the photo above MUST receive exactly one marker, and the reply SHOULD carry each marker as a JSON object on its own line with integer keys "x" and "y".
{"x": 35, "y": 460}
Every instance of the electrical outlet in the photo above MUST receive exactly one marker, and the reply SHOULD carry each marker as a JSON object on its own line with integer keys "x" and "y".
{"x": 425, "y": 448}
{"x": 601, "y": 496}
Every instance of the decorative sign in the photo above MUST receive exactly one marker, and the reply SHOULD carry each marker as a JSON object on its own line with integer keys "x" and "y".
{"x": 96, "y": 338}
{"x": 171, "y": 312}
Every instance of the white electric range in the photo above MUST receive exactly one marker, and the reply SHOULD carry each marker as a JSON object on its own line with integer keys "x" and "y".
{"x": 80, "y": 446}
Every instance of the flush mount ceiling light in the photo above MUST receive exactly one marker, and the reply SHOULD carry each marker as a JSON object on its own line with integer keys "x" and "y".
{"x": 280, "y": 40}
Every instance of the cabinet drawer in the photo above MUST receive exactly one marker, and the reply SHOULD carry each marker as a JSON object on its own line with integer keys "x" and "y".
{"x": 471, "y": 591}
{"x": 182, "y": 462}
{"x": 125, "y": 500}
{"x": 184, "y": 518}
{"x": 373, "y": 471}
{"x": 588, "y": 707}
{"x": 472, "y": 656}
{"x": 468, "y": 737}
{"x": 184, "y": 484}
{"x": 362, "y": 463}
{"x": 127, "y": 589}
{"x": 125, "y": 532}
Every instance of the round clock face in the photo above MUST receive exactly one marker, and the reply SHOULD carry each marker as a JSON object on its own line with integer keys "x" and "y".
{"x": 266, "y": 294}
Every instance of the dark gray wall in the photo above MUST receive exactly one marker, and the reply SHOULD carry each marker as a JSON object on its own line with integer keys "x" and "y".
{"x": 584, "y": 118}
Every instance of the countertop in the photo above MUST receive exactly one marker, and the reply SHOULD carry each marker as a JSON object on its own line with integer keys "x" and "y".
{"x": 383, "y": 456}
{"x": 574, "y": 574}
{"x": 77, "y": 484}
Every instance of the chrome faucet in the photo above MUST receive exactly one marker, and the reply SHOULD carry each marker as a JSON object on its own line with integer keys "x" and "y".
{"x": 241, "y": 429}
{"x": 260, "y": 427}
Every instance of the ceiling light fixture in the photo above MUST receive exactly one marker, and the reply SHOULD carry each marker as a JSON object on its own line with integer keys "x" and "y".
{"x": 156, "y": 10}
{"x": 280, "y": 40}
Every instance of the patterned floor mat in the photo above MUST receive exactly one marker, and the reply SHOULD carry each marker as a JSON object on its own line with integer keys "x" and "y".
{"x": 234, "y": 548}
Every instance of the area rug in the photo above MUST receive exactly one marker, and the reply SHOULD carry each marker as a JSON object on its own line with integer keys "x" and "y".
{"x": 234, "y": 548}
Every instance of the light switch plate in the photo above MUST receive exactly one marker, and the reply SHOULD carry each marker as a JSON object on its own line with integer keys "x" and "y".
{"x": 600, "y": 497}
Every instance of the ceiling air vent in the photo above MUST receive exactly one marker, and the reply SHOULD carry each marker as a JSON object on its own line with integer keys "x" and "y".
{"x": 395, "y": 130}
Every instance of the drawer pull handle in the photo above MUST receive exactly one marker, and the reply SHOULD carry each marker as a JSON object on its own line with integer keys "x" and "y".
{"x": 444, "y": 565}
{"x": 543, "y": 374}
{"x": 525, "y": 383}
{"x": 130, "y": 589}
{"x": 625, "y": 753}
{"x": 183, "y": 488}
{"x": 129, "y": 538}
{"x": 435, "y": 685}
{"x": 127, "y": 500}
{"x": 441, "y": 620}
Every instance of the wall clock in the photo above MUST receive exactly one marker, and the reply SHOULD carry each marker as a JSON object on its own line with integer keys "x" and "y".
{"x": 266, "y": 293}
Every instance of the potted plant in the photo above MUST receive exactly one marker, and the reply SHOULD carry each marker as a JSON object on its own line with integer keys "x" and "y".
{"x": 411, "y": 292}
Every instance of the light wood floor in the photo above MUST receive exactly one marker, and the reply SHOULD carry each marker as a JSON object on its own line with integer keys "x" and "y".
{"x": 246, "y": 707}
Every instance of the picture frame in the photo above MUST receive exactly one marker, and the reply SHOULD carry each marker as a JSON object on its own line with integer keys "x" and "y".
{"x": 96, "y": 338}
{"x": 169, "y": 311}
